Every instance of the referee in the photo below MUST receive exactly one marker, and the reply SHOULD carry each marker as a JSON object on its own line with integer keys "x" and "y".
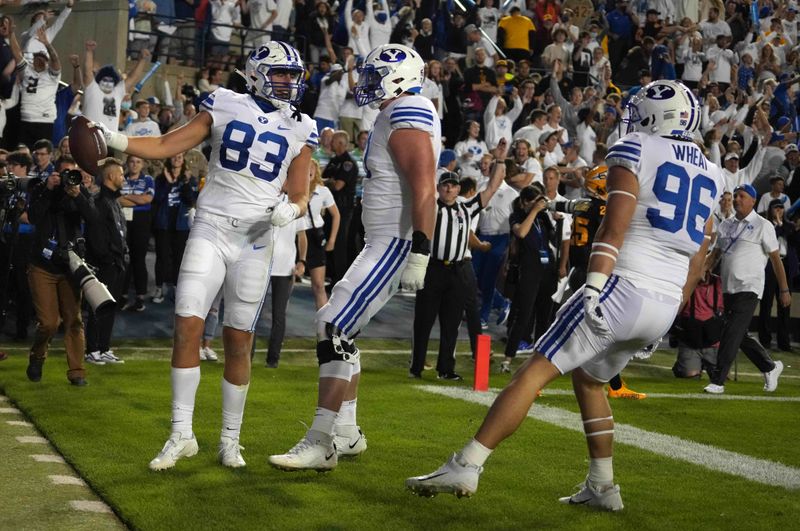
{"x": 447, "y": 278}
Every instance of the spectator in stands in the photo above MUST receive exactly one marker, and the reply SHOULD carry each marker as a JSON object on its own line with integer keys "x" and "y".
{"x": 787, "y": 235}
{"x": 776, "y": 183}
{"x": 332, "y": 93}
{"x": 105, "y": 90}
{"x": 425, "y": 40}
{"x": 529, "y": 165}
{"x": 143, "y": 125}
{"x": 262, "y": 15}
{"x": 224, "y": 15}
{"x": 498, "y": 119}
{"x": 470, "y": 149}
{"x": 622, "y": 23}
{"x": 8, "y": 71}
{"x": 380, "y": 22}
{"x": 516, "y": 35}
{"x": 532, "y": 132}
{"x": 319, "y": 29}
{"x": 350, "y": 113}
{"x": 135, "y": 199}
{"x": 38, "y": 88}
{"x": 358, "y": 30}
{"x": 42, "y": 159}
{"x": 790, "y": 171}
{"x": 480, "y": 84}
{"x": 324, "y": 153}
{"x": 476, "y": 40}
{"x": 714, "y": 26}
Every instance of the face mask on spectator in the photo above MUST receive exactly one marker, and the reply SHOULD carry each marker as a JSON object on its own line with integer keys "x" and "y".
{"x": 125, "y": 105}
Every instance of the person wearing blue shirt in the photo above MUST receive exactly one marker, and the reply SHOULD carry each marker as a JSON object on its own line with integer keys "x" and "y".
{"x": 622, "y": 23}
{"x": 137, "y": 195}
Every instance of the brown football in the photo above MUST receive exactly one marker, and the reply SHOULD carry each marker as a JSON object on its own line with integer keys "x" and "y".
{"x": 86, "y": 144}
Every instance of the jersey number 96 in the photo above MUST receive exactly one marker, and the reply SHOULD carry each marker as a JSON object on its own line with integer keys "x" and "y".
{"x": 686, "y": 200}
{"x": 235, "y": 154}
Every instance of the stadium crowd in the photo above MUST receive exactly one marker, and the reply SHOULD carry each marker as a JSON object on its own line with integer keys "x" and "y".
{"x": 532, "y": 86}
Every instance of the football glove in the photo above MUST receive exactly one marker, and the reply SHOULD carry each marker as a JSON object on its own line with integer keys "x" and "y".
{"x": 113, "y": 139}
{"x": 284, "y": 213}
{"x": 594, "y": 313}
{"x": 413, "y": 277}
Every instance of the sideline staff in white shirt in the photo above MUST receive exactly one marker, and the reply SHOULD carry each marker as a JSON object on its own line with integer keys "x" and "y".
{"x": 744, "y": 243}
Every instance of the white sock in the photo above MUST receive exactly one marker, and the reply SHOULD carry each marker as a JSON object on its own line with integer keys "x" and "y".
{"x": 184, "y": 389}
{"x": 474, "y": 453}
{"x": 233, "y": 399}
{"x": 601, "y": 471}
{"x": 347, "y": 413}
{"x": 322, "y": 428}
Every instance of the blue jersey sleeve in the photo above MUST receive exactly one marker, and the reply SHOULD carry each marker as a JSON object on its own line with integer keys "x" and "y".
{"x": 626, "y": 152}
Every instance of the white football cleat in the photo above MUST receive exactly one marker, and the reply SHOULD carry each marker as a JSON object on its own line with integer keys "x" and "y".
{"x": 714, "y": 389}
{"x": 174, "y": 449}
{"x": 771, "y": 377}
{"x": 306, "y": 455}
{"x": 203, "y": 354}
{"x": 608, "y": 498}
{"x": 349, "y": 441}
{"x": 230, "y": 453}
{"x": 451, "y": 478}
{"x": 210, "y": 355}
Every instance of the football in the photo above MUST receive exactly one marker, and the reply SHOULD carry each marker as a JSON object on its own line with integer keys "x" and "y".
{"x": 86, "y": 144}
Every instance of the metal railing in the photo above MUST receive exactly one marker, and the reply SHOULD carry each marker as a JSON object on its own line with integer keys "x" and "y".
{"x": 163, "y": 44}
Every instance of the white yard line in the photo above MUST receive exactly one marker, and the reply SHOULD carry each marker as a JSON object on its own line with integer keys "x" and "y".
{"x": 9, "y": 410}
{"x": 31, "y": 439}
{"x": 750, "y": 468}
{"x": 66, "y": 480}
{"x": 19, "y": 423}
{"x": 48, "y": 458}
{"x": 90, "y": 506}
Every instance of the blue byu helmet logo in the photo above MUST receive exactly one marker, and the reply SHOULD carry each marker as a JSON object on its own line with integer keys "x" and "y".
{"x": 392, "y": 55}
{"x": 660, "y": 92}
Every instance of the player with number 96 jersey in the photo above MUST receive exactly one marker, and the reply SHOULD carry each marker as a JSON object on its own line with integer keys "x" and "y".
{"x": 251, "y": 153}
{"x": 678, "y": 188}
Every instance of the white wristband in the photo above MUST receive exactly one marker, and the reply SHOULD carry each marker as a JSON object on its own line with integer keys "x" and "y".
{"x": 596, "y": 280}
{"x": 117, "y": 141}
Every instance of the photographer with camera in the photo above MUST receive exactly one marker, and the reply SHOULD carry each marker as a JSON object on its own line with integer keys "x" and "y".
{"x": 107, "y": 252}
{"x": 16, "y": 241}
{"x": 58, "y": 204}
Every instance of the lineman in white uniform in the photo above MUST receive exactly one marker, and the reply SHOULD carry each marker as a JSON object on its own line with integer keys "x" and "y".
{"x": 261, "y": 153}
{"x": 399, "y": 212}
{"x": 659, "y": 205}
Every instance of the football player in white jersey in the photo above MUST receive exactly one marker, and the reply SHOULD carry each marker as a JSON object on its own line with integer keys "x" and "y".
{"x": 399, "y": 212}
{"x": 659, "y": 206}
{"x": 261, "y": 150}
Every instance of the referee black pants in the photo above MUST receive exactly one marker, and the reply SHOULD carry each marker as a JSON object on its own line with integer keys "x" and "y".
{"x": 444, "y": 295}
{"x": 739, "y": 310}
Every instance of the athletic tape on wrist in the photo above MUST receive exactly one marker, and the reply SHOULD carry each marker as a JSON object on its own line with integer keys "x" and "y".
{"x": 117, "y": 141}
{"x": 596, "y": 280}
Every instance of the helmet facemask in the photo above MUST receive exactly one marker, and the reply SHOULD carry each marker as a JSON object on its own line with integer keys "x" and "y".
{"x": 369, "y": 89}
{"x": 280, "y": 93}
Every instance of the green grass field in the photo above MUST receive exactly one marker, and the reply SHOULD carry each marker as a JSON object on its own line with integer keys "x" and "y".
{"x": 111, "y": 429}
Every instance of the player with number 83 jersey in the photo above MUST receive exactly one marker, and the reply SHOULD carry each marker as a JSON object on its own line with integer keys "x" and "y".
{"x": 251, "y": 153}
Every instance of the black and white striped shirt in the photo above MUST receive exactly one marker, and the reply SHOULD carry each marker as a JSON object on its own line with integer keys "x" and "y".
{"x": 453, "y": 223}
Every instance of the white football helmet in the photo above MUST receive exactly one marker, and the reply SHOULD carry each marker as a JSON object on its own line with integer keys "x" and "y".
{"x": 388, "y": 71}
{"x": 269, "y": 59}
{"x": 663, "y": 108}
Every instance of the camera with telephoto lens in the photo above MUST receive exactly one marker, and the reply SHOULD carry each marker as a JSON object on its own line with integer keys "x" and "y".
{"x": 71, "y": 177}
{"x": 568, "y": 207}
{"x": 95, "y": 292}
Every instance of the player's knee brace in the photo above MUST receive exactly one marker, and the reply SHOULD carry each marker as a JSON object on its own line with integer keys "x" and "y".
{"x": 336, "y": 347}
